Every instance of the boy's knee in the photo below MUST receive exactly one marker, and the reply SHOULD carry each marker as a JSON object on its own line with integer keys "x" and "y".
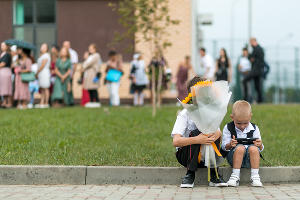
{"x": 240, "y": 149}
{"x": 253, "y": 150}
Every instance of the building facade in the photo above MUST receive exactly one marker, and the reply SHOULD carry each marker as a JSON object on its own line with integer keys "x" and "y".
{"x": 91, "y": 21}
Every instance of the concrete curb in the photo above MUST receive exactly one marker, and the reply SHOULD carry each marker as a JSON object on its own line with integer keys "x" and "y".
{"x": 89, "y": 175}
{"x": 42, "y": 175}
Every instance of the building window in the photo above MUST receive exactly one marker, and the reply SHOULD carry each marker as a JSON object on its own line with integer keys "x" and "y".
{"x": 45, "y": 11}
{"x": 35, "y": 21}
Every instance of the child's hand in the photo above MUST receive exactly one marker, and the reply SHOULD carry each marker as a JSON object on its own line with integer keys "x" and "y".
{"x": 257, "y": 143}
{"x": 215, "y": 135}
{"x": 204, "y": 139}
{"x": 233, "y": 142}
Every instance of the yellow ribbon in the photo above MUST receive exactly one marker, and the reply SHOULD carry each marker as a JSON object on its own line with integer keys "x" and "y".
{"x": 208, "y": 167}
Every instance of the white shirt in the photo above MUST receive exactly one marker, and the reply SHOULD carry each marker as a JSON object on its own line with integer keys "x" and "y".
{"x": 183, "y": 125}
{"x": 245, "y": 64}
{"x": 73, "y": 56}
{"x": 207, "y": 63}
{"x": 226, "y": 138}
{"x": 140, "y": 73}
{"x": 46, "y": 70}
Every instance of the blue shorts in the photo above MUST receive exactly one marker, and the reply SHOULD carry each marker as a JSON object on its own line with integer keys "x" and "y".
{"x": 246, "y": 159}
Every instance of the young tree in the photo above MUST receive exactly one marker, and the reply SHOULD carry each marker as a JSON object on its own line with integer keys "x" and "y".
{"x": 148, "y": 21}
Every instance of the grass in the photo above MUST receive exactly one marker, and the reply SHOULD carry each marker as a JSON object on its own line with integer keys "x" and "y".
{"x": 125, "y": 136}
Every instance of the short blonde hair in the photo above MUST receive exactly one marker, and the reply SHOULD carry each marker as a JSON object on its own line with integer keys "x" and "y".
{"x": 240, "y": 107}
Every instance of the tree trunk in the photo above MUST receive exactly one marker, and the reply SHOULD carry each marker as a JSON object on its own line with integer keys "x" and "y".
{"x": 153, "y": 89}
{"x": 159, "y": 83}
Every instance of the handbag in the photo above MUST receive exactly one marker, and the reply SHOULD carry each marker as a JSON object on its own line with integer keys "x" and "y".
{"x": 113, "y": 75}
{"x": 27, "y": 77}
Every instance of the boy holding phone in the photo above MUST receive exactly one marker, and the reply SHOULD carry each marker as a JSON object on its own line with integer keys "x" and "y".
{"x": 240, "y": 155}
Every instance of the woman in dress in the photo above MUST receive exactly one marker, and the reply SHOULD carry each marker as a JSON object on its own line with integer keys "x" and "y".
{"x": 223, "y": 67}
{"x": 43, "y": 74}
{"x": 91, "y": 67}
{"x": 5, "y": 76}
{"x": 182, "y": 77}
{"x": 22, "y": 94}
{"x": 62, "y": 85}
{"x": 54, "y": 55}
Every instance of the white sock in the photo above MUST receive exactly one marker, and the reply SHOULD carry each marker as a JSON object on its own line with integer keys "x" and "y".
{"x": 236, "y": 172}
{"x": 135, "y": 98}
{"x": 254, "y": 172}
{"x": 142, "y": 99}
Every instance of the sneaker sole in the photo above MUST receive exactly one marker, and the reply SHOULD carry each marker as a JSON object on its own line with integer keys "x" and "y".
{"x": 187, "y": 185}
{"x": 256, "y": 185}
{"x": 211, "y": 184}
{"x": 233, "y": 185}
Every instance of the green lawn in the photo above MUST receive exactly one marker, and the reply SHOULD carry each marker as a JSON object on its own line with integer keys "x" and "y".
{"x": 125, "y": 136}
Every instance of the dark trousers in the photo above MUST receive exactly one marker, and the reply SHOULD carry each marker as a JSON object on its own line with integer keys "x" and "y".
{"x": 187, "y": 156}
{"x": 258, "y": 86}
{"x": 93, "y": 95}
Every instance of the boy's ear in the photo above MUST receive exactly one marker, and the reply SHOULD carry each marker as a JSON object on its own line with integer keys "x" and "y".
{"x": 231, "y": 116}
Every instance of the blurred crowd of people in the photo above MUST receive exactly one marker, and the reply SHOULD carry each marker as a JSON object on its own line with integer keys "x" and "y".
{"x": 52, "y": 75}
{"x": 252, "y": 67}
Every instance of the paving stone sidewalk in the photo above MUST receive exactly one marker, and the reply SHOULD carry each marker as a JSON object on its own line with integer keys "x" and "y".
{"x": 147, "y": 192}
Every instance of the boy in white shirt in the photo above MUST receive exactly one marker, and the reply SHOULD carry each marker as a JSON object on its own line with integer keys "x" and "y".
{"x": 208, "y": 64}
{"x": 240, "y": 155}
{"x": 188, "y": 140}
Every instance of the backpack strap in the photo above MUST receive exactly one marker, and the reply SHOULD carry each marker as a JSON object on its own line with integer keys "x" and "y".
{"x": 250, "y": 134}
{"x": 195, "y": 133}
{"x": 231, "y": 128}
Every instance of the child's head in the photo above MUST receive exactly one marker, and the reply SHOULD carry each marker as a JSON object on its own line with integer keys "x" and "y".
{"x": 193, "y": 82}
{"x": 241, "y": 114}
{"x": 112, "y": 55}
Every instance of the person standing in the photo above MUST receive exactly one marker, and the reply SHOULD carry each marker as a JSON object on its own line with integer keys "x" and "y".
{"x": 43, "y": 75}
{"x": 91, "y": 67}
{"x": 244, "y": 69}
{"x": 74, "y": 61}
{"x": 114, "y": 71}
{"x": 14, "y": 51}
{"x": 223, "y": 67}
{"x": 207, "y": 63}
{"x": 140, "y": 81}
{"x": 257, "y": 62}
{"x": 22, "y": 94}
{"x": 62, "y": 85}
{"x": 182, "y": 77}
{"x": 54, "y": 55}
{"x": 132, "y": 70}
{"x": 5, "y": 76}
{"x": 73, "y": 57}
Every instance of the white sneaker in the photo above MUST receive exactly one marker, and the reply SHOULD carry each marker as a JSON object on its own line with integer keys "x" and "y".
{"x": 37, "y": 105}
{"x": 88, "y": 105}
{"x": 255, "y": 181}
{"x": 96, "y": 105}
{"x": 30, "y": 106}
{"x": 233, "y": 181}
{"x": 92, "y": 105}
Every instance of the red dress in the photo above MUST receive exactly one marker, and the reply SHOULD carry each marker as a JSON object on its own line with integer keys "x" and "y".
{"x": 85, "y": 98}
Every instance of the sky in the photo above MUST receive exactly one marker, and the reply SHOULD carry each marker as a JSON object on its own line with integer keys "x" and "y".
{"x": 274, "y": 22}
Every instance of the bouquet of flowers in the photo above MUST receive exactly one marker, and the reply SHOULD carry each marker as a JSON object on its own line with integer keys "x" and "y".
{"x": 207, "y": 105}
